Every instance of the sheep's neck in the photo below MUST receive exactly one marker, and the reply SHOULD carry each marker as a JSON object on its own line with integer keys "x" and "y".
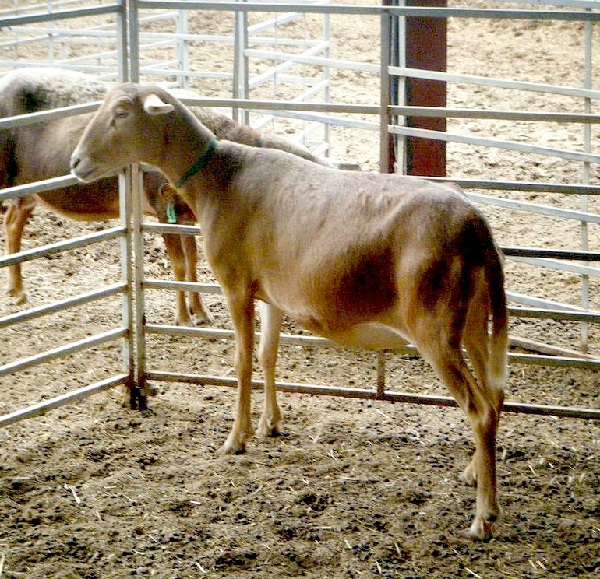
{"x": 198, "y": 165}
{"x": 184, "y": 143}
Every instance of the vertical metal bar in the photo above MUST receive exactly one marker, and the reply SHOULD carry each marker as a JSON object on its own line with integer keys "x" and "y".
{"x": 587, "y": 147}
{"x": 400, "y": 142}
{"x": 128, "y": 315}
{"x": 246, "y": 80}
{"x": 122, "y": 56}
{"x": 137, "y": 215}
{"x": 397, "y": 57}
{"x": 384, "y": 97}
{"x": 183, "y": 52}
{"x": 240, "y": 68}
{"x": 326, "y": 30}
{"x": 381, "y": 359}
{"x": 51, "y": 36}
{"x": 134, "y": 41}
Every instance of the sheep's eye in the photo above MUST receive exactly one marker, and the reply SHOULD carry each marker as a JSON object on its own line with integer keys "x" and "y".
{"x": 120, "y": 113}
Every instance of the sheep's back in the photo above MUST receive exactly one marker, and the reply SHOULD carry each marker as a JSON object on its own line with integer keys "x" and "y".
{"x": 30, "y": 90}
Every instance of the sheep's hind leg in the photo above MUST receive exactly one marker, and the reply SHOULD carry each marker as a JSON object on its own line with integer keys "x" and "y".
{"x": 15, "y": 217}
{"x": 176, "y": 257}
{"x": 477, "y": 344}
{"x": 482, "y": 413}
{"x": 197, "y": 309}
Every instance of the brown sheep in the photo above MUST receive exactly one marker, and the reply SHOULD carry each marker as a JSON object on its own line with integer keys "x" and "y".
{"x": 363, "y": 259}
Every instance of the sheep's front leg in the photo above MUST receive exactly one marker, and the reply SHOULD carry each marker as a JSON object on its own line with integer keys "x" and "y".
{"x": 176, "y": 257}
{"x": 241, "y": 309}
{"x": 271, "y": 319}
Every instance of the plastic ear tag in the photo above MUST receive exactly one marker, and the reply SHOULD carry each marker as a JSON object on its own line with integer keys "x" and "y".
{"x": 171, "y": 214}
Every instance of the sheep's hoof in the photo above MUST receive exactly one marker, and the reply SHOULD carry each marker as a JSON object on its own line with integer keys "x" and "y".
{"x": 232, "y": 448}
{"x": 19, "y": 298}
{"x": 480, "y": 530}
{"x": 236, "y": 441}
{"x": 268, "y": 432}
{"x": 184, "y": 321}
{"x": 268, "y": 428}
{"x": 482, "y": 526}
{"x": 203, "y": 319}
{"x": 150, "y": 390}
{"x": 469, "y": 475}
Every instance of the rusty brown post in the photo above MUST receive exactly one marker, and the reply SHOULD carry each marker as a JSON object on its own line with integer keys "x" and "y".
{"x": 426, "y": 49}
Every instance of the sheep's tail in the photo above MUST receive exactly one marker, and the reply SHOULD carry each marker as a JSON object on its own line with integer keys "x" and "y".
{"x": 498, "y": 345}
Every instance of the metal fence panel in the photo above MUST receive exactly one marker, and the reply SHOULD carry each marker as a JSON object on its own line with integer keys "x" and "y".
{"x": 119, "y": 63}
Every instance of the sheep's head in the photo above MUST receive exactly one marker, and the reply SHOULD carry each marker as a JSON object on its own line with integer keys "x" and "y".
{"x": 124, "y": 130}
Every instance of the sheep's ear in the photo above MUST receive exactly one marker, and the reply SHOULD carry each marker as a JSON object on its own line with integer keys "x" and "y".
{"x": 153, "y": 105}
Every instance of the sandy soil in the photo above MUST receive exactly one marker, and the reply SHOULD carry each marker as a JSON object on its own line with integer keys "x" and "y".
{"x": 353, "y": 488}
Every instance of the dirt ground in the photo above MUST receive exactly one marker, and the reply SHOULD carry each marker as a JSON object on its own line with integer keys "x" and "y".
{"x": 352, "y": 488}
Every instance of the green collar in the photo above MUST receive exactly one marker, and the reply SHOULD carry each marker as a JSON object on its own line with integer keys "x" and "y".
{"x": 199, "y": 164}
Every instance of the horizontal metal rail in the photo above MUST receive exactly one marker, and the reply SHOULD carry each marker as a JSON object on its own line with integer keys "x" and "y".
{"x": 38, "y": 187}
{"x": 41, "y": 116}
{"x": 495, "y": 82}
{"x": 261, "y": 104}
{"x": 60, "y": 246}
{"x": 535, "y": 208}
{"x": 221, "y": 334}
{"x": 61, "y": 351}
{"x": 54, "y": 307}
{"x": 171, "y": 228}
{"x": 560, "y": 266}
{"x": 99, "y": 70}
{"x": 209, "y": 288}
{"x": 154, "y": 69}
{"x": 261, "y": 40}
{"x": 566, "y": 3}
{"x": 65, "y": 35}
{"x": 557, "y": 314}
{"x": 386, "y": 395}
{"x": 483, "y": 13}
{"x": 557, "y": 253}
{"x": 523, "y": 186}
{"x": 58, "y": 401}
{"x": 529, "y": 300}
{"x": 34, "y": 8}
{"x": 495, "y": 114}
{"x": 409, "y": 111}
{"x": 328, "y": 119}
{"x": 85, "y": 12}
{"x": 515, "y": 252}
{"x": 296, "y": 109}
{"x": 494, "y": 142}
{"x": 556, "y": 361}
